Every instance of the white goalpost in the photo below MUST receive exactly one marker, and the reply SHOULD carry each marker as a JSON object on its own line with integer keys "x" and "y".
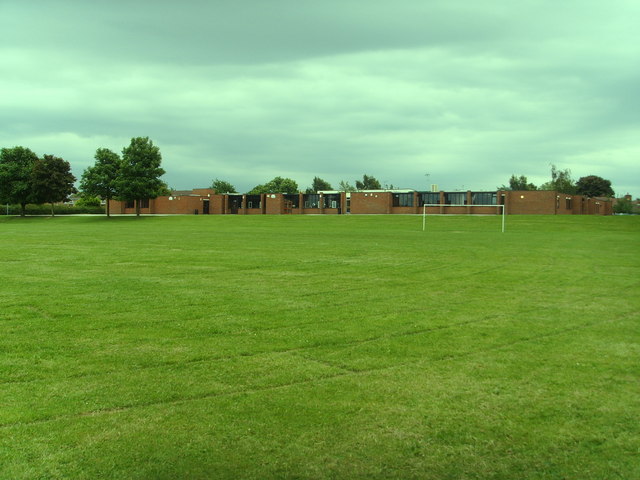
{"x": 424, "y": 211}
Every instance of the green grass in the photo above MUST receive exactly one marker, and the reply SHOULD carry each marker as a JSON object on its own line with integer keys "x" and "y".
{"x": 319, "y": 347}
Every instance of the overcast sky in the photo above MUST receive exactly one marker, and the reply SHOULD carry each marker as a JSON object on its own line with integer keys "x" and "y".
{"x": 457, "y": 93}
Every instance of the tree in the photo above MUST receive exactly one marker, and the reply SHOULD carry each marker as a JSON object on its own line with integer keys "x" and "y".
{"x": 51, "y": 181}
{"x": 518, "y": 183}
{"x": 561, "y": 181}
{"x": 368, "y": 183}
{"x": 140, "y": 172}
{"x": 277, "y": 185}
{"x": 319, "y": 184}
{"x": 100, "y": 180}
{"x": 88, "y": 201}
{"x": 594, "y": 186}
{"x": 346, "y": 187}
{"x": 16, "y": 166}
{"x": 623, "y": 205}
{"x": 221, "y": 186}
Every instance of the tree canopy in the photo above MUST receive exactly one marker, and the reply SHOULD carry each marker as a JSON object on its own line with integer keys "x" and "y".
{"x": 594, "y": 186}
{"x": 319, "y": 184}
{"x": 16, "y": 168}
{"x": 518, "y": 183}
{"x": 561, "y": 181}
{"x": 277, "y": 185}
{"x": 140, "y": 172}
{"x": 222, "y": 186}
{"x": 623, "y": 205}
{"x": 51, "y": 181}
{"x": 368, "y": 183}
{"x": 100, "y": 180}
{"x": 346, "y": 187}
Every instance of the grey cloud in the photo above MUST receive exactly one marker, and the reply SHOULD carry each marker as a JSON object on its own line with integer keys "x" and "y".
{"x": 468, "y": 92}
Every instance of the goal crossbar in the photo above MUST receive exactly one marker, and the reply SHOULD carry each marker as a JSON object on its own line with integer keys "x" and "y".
{"x": 424, "y": 211}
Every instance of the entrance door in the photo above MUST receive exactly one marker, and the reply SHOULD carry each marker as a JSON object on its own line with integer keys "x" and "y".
{"x": 205, "y": 207}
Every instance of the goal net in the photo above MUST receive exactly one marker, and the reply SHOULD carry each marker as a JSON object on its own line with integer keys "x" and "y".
{"x": 443, "y": 207}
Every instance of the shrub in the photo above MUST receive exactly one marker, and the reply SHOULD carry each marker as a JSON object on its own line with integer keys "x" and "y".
{"x": 88, "y": 201}
{"x": 60, "y": 209}
{"x": 623, "y": 205}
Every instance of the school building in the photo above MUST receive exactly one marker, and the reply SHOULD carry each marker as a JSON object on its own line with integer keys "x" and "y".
{"x": 206, "y": 201}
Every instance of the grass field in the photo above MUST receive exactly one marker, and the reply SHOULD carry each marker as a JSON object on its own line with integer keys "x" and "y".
{"x": 320, "y": 347}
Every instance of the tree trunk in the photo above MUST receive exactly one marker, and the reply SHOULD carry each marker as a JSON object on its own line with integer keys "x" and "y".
{"x": 52, "y": 212}
{"x": 108, "y": 206}
{"x": 23, "y": 209}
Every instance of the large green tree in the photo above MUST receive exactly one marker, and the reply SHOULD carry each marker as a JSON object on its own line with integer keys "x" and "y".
{"x": 318, "y": 185}
{"x": 222, "y": 186}
{"x": 51, "y": 181}
{"x": 368, "y": 183}
{"x": 594, "y": 186}
{"x": 561, "y": 181}
{"x": 16, "y": 167}
{"x": 140, "y": 172}
{"x": 101, "y": 179}
{"x": 277, "y": 185}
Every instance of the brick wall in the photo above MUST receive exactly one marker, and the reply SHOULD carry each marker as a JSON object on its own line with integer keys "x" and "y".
{"x": 534, "y": 202}
{"x": 371, "y": 203}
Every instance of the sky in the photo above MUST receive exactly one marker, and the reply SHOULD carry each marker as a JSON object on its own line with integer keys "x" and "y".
{"x": 455, "y": 93}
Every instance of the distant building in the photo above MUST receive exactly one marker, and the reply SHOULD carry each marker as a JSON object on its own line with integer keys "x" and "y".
{"x": 371, "y": 202}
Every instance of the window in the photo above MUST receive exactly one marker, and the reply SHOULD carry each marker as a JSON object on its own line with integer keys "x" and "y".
{"x": 311, "y": 200}
{"x": 403, "y": 199}
{"x": 144, "y": 203}
{"x": 332, "y": 200}
{"x": 483, "y": 198}
{"x": 129, "y": 204}
{"x": 429, "y": 198}
{"x": 294, "y": 199}
{"x": 253, "y": 201}
{"x": 234, "y": 203}
{"x": 455, "y": 198}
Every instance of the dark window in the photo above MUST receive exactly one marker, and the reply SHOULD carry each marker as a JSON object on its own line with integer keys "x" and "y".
{"x": 332, "y": 200}
{"x": 144, "y": 203}
{"x": 129, "y": 204}
{"x": 455, "y": 198}
{"x": 293, "y": 198}
{"x": 403, "y": 199}
{"x": 483, "y": 198}
{"x": 429, "y": 198}
{"x": 568, "y": 203}
{"x": 311, "y": 200}
{"x": 235, "y": 203}
{"x": 253, "y": 201}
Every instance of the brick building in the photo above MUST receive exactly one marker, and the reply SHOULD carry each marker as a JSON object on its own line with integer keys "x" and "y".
{"x": 373, "y": 202}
